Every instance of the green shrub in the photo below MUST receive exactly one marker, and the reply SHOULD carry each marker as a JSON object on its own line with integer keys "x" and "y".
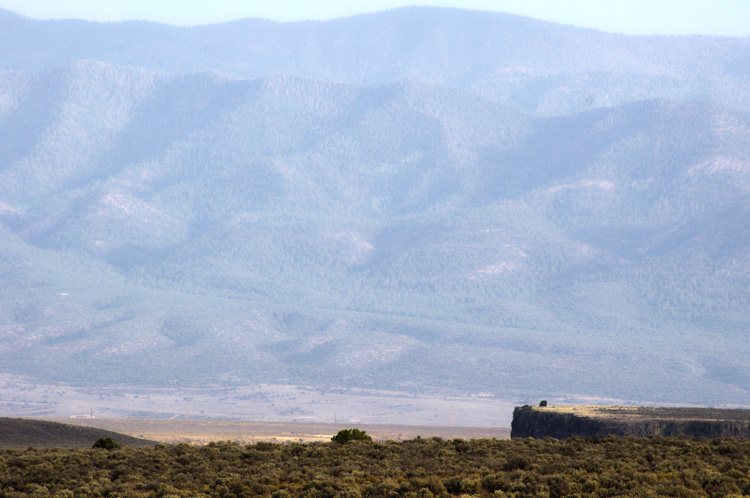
{"x": 107, "y": 443}
{"x": 346, "y": 435}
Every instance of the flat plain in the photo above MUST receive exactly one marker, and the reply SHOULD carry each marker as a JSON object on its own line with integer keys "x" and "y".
{"x": 247, "y": 432}
{"x": 262, "y": 402}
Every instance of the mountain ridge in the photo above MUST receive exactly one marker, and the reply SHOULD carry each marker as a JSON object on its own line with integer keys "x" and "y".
{"x": 177, "y": 229}
{"x": 544, "y": 70}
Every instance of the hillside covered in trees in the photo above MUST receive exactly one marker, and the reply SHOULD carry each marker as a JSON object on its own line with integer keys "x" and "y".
{"x": 419, "y": 200}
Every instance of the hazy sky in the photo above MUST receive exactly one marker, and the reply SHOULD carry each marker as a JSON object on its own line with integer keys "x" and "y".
{"x": 722, "y": 17}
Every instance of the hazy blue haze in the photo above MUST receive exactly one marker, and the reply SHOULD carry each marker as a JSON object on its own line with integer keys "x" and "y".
{"x": 684, "y": 17}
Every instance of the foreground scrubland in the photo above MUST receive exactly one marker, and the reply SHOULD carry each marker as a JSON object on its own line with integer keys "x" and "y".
{"x": 680, "y": 467}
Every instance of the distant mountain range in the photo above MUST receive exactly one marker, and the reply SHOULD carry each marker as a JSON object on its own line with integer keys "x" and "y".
{"x": 534, "y": 66}
{"x": 423, "y": 200}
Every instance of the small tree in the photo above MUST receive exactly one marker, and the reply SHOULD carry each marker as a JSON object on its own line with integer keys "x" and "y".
{"x": 543, "y": 402}
{"x": 346, "y": 435}
{"x": 107, "y": 443}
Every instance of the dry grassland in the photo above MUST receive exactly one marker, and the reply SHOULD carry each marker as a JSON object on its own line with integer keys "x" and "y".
{"x": 205, "y": 431}
{"x": 641, "y": 413}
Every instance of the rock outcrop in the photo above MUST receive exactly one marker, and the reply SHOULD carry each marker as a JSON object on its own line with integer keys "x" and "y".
{"x": 566, "y": 421}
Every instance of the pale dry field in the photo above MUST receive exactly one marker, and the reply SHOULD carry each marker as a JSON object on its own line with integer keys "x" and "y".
{"x": 639, "y": 413}
{"x": 245, "y": 432}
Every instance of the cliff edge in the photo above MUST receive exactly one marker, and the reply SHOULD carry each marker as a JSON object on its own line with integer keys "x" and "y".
{"x": 566, "y": 421}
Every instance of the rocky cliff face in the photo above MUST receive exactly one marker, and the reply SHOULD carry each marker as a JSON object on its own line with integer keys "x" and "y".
{"x": 563, "y": 422}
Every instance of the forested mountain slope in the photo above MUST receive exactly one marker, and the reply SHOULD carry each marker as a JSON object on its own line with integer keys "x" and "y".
{"x": 413, "y": 233}
{"x": 531, "y": 65}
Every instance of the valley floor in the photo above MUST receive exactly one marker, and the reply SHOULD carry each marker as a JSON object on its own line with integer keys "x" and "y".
{"x": 271, "y": 403}
{"x": 245, "y": 432}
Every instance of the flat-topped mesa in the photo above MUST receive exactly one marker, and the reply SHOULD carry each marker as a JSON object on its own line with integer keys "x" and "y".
{"x": 566, "y": 421}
